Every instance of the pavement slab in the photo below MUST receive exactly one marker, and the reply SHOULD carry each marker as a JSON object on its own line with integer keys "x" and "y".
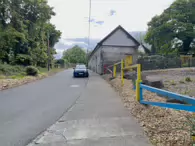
{"x": 98, "y": 118}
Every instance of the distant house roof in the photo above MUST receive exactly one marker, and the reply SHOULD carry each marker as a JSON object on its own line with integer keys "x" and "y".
{"x": 139, "y": 36}
{"x": 105, "y": 38}
{"x": 144, "y": 49}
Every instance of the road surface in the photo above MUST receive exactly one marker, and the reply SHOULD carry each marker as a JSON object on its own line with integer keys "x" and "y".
{"x": 28, "y": 110}
{"x": 98, "y": 118}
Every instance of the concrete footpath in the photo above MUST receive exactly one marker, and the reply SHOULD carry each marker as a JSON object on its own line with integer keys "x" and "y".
{"x": 98, "y": 118}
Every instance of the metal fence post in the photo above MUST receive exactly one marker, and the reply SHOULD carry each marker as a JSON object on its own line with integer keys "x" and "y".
{"x": 114, "y": 71}
{"x": 122, "y": 72}
{"x": 138, "y": 82}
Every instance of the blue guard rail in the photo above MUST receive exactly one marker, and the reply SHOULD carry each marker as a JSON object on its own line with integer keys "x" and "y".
{"x": 189, "y": 101}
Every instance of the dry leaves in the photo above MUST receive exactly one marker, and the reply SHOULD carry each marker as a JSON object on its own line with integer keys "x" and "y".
{"x": 162, "y": 126}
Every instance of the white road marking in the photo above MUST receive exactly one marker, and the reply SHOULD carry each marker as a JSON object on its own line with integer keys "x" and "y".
{"x": 74, "y": 86}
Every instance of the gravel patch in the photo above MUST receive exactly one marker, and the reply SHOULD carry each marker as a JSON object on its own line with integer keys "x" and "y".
{"x": 179, "y": 81}
{"x": 164, "y": 127}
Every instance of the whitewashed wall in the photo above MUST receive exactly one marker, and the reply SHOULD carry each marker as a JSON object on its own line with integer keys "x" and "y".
{"x": 113, "y": 54}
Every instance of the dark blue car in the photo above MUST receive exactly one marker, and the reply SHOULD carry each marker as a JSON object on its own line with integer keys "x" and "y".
{"x": 80, "y": 71}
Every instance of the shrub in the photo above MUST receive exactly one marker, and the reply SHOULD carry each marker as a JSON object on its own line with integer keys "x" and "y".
{"x": 188, "y": 79}
{"x": 23, "y": 59}
{"x": 172, "y": 82}
{"x": 185, "y": 65}
{"x": 32, "y": 71}
{"x": 159, "y": 62}
{"x": 6, "y": 69}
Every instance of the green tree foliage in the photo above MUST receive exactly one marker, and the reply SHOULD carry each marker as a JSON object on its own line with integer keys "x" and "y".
{"x": 75, "y": 55}
{"x": 174, "y": 30}
{"x": 60, "y": 62}
{"x": 63, "y": 63}
{"x": 25, "y": 30}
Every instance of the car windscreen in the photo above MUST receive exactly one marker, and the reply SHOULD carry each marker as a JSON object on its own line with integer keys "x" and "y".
{"x": 81, "y": 67}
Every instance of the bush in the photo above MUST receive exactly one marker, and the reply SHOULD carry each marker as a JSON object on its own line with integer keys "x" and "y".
{"x": 8, "y": 70}
{"x": 185, "y": 65}
{"x": 32, "y": 71}
{"x": 188, "y": 79}
{"x": 159, "y": 62}
{"x": 23, "y": 59}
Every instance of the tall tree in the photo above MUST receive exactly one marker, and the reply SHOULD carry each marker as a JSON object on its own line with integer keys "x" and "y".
{"x": 24, "y": 28}
{"x": 75, "y": 55}
{"x": 173, "y": 31}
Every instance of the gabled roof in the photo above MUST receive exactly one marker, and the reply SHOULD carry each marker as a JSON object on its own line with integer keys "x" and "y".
{"x": 110, "y": 34}
{"x": 119, "y": 27}
{"x": 146, "y": 49}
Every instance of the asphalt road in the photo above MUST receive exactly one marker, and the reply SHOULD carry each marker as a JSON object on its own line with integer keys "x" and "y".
{"x": 28, "y": 110}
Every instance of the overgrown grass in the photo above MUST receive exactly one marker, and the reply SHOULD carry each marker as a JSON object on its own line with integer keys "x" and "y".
{"x": 18, "y": 72}
{"x": 17, "y": 77}
{"x": 2, "y": 77}
{"x": 42, "y": 70}
{"x": 45, "y": 70}
{"x": 9, "y": 70}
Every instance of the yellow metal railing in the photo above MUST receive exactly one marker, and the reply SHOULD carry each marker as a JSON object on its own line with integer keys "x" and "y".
{"x": 114, "y": 71}
{"x": 130, "y": 67}
{"x": 122, "y": 72}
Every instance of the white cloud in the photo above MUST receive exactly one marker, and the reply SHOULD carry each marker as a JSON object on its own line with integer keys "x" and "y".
{"x": 70, "y": 43}
{"x": 132, "y": 14}
{"x": 72, "y": 16}
{"x": 59, "y": 53}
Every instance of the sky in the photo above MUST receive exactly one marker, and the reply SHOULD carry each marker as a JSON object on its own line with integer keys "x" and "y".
{"x": 72, "y": 19}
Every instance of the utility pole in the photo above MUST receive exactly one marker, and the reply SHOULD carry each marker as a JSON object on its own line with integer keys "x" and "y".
{"x": 87, "y": 56}
{"x": 48, "y": 52}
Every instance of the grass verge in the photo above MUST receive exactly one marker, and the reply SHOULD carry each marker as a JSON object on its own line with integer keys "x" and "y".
{"x": 10, "y": 81}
